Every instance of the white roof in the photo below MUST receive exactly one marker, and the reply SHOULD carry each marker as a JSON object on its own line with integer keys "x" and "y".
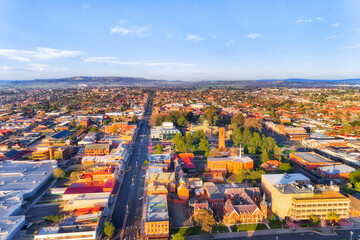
{"x": 337, "y": 169}
{"x": 284, "y": 179}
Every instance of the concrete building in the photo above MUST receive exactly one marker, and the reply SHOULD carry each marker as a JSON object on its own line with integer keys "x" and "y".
{"x": 19, "y": 180}
{"x": 165, "y": 132}
{"x": 336, "y": 171}
{"x": 292, "y": 196}
{"x": 311, "y": 160}
{"x": 10, "y": 226}
{"x": 97, "y": 149}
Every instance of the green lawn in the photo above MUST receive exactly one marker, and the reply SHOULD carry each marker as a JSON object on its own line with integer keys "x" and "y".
{"x": 248, "y": 227}
{"x": 187, "y": 231}
{"x": 220, "y": 228}
{"x": 278, "y": 224}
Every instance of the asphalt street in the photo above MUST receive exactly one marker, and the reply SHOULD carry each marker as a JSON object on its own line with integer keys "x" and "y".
{"x": 341, "y": 235}
{"x": 131, "y": 189}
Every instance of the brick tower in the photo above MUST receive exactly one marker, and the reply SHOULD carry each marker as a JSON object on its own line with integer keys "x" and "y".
{"x": 221, "y": 139}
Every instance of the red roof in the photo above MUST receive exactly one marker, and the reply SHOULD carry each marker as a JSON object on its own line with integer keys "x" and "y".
{"x": 188, "y": 158}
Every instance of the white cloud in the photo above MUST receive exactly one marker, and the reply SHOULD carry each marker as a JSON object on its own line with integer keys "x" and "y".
{"x": 85, "y": 6}
{"x": 191, "y": 37}
{"x": 254, "y": 35}
{"x": 331, "y": 37}
{"x": 335, "y": 24}
{"x": 320, "y": 19}
{"x": 169, "y": 35}
{"x": 121, "y": 30}
{"x": 40, "y": 53}
{"x": 130, "y": 31}
{"x": 213, "y": 36}
{"x": 114, "y": 60}
{"x": 229, "y": 42}
{"x": 27, "y": 67}
{"x": 304, "y": 20}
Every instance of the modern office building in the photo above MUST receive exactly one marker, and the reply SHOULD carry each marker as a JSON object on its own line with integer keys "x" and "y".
{"x": 294, "y": 197}
{"x": 165, "y": 132}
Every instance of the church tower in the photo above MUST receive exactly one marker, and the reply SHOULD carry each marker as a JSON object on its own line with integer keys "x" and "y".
{"x": 264, "y": 207}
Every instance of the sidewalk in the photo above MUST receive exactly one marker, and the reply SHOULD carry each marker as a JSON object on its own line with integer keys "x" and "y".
{"x": 269, "y": 232}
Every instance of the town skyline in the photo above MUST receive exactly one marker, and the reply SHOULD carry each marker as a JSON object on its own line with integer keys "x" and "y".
{"x": 184, "y": 40}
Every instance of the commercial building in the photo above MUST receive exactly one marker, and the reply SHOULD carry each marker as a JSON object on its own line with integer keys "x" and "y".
{"x": 83, "y": 227}
{"x": 165, "y": 132}
{"x": 311, "y": 160}
{"x": 292, "y": 196}
{"x": 97, "y": 149}
{"x": 119, "y": 127}
{"x": 19, "y": 180}
{"x": 230, "y": 164}
{"x": 155, "y": 223}
{"x": 58, "y": 139}
{"x": 10, "y": 226}
{"x": 166, "y": 179}
{"x": 58, "y": 153}
{"x": 336, "y": 171}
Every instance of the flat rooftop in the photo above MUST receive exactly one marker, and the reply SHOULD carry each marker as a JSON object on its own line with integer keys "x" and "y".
{"x": 312, "y": 157}
{"x": 337, "y": 169}
{"x": 156, "y": 209}
{"x": 284, "y": 179}
{"x": 24, "y": 176}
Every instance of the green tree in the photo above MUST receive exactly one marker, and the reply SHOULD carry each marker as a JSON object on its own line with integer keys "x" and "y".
{"x": 93, "y": 129}
{"x": 205, "y": 219}
{"x": 182, "y": 122}
{"x": 198, "y": 135}
{"x": 333, "y": 217}
{"x": 204, "y": 146}
{"x": 246, "y": 136}
{"x": 265, "y": 156}
{"x": 278, "y": 152}
{"x": 272, "y": 218}
{"x": 314, "y": 219}
{"x": 109, "y": 229}
{"x": 355, "y": 177}
{"x": 159, "y": 149}
{"x": 178, "y": 236}
{"x": 134, "y": 119}
{"x": 236, "y": 136}
{"x": 75, "y": 175}
{"x": 59, "y": 173}
{"x": 285, "y": 167}
{"x": 237, "y": 120}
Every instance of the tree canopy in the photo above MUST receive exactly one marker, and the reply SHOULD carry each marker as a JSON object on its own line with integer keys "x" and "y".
{"x": 205, "y": 219}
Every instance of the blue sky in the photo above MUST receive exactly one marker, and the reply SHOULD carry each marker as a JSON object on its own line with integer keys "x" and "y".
{"x": 185, "y": 40}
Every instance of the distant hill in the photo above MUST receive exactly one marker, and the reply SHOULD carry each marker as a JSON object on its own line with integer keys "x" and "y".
{"x": 83, "y": 81}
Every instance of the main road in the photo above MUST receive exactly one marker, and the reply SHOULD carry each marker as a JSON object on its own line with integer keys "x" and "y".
{"x": 127, "y": 211}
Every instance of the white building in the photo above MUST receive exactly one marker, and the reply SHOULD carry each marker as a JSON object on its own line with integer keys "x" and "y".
{"x": 165, "y": 132}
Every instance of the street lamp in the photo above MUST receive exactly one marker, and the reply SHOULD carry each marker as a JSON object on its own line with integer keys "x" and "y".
{"x": 351, "y": 234}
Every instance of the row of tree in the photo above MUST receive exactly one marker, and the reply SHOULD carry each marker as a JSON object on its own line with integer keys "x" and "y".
{"x": 196, "y": 143}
